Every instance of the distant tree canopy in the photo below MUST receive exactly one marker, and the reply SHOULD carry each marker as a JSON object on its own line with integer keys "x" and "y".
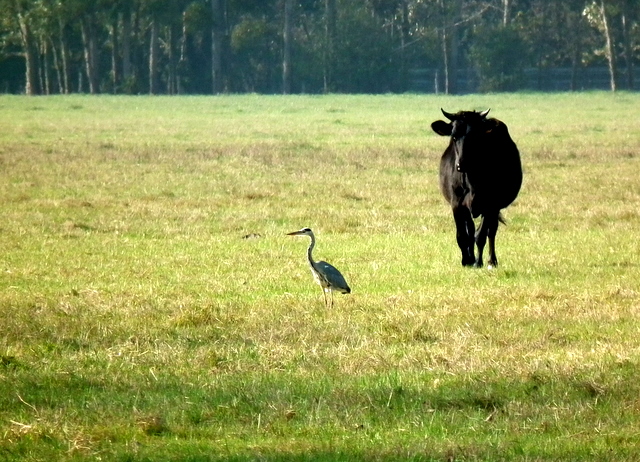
{"x": 310, "y": 46}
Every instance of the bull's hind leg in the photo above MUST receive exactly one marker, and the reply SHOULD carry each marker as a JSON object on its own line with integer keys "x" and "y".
{"x": 488, "y": 229}
{"x": 465, "y": 230}
{"x": 493, "y": 259}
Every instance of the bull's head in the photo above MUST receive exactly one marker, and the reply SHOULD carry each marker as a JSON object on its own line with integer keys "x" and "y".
{"x": 464, "y": 128}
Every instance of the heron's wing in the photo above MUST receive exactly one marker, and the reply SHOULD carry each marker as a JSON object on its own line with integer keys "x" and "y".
{"x": 333, "y": 277}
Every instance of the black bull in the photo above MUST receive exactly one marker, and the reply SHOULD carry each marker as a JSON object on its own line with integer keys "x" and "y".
{"x": 480, "y": 174}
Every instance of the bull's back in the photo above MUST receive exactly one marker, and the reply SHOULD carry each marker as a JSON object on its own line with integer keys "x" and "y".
{"x": 506, "y": 176}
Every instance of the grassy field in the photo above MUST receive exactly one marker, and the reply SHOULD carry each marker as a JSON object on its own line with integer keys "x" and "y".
{"x": 152, "y": 307}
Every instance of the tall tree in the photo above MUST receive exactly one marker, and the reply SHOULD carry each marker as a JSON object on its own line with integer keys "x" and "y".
{"x": 609, "y": 46}
{"x": 89, "y": 28}
{"x": 506, "y": 12}
{"x": 627, "y": 26}
{"x": 287, "y": 41}
{"x": 65, "y": 57}
{"x": 452, "y": 81}
{"x": 449, "y": 35}
{"x": 30, "y": 48}
{"x": 127, "y": 32}
{"x": 218, "y": 44}
{"x": 574, "y": 32}
{"x": 328, "y": 55}
{"x": 154, "y": 55}
{"x": 116, "y": 74}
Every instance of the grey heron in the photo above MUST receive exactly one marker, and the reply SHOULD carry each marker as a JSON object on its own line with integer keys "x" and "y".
{"x": 326, "y": 275}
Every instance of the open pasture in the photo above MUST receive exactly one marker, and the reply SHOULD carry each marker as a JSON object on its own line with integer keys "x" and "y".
{"x": 152, "y": 307}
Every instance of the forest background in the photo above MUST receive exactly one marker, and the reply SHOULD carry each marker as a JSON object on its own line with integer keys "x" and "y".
{"x": 315, "y": 46}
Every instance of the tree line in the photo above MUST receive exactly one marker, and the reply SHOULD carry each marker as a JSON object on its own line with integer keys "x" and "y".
{"x": 306, "y": 46}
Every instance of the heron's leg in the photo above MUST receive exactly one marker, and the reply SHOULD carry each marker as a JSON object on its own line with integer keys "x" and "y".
{"x": 465, "y": 229}
{"x": 324, "y": 294}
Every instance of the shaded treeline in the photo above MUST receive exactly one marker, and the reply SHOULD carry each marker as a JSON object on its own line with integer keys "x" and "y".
{"x": 312, "y": 46}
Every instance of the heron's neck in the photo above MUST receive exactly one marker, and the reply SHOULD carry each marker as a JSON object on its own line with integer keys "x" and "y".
{"x": 310, "y": 249}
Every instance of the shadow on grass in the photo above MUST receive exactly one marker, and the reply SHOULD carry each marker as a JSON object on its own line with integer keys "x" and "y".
{"x": 284, "y": 416}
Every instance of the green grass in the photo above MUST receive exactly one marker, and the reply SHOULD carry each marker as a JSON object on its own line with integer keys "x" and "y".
{"x": 138, "y": 323}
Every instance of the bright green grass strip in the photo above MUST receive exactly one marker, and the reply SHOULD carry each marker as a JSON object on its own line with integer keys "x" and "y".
{"x": 152, "y": 307}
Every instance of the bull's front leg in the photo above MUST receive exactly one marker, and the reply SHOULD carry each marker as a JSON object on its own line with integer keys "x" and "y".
{"x": 488, "y": 229}
{"x": 465, "y": 230}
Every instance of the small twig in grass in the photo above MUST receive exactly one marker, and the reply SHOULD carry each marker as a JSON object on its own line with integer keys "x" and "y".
{"x": 30, "y": 405}
{"x": 23, "y": 427}
{"x": 491, "y": 415}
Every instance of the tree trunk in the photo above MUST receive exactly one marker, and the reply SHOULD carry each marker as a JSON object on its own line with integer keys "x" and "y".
{"x": 57, "y": 65}
{"x": 506, "y": 12}
{"x": 126, "y": 49}
{"x": 217, "y": 45}
{"x": 444, "y": 47}
{"x": 154, "y": 56}
{"x": 330, "y": 20}
{"x": 45, "y": 68}
{"x": 80, "y": 81}
{"x": 138, "y": 58}
{"x": 89, "y": 41}
{"x": 573, "y": 25}
{"x": 115, "y": 56}
{"x": 172, "y": 84}
{"x": 288, "y": 33}
{"x": 628, "y": 47}
{"x": 32, "y": 74}
{"x": 452, "y": 81}
{"x": 65, "y": 58}
{"x": 182, "y": 61}
{"x": 450, "y": 45}
{"x": 404, "y": 39}
{"x": 609, "y": 48}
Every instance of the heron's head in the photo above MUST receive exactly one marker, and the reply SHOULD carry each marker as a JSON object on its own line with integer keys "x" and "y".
{"x": 302, "y": 232}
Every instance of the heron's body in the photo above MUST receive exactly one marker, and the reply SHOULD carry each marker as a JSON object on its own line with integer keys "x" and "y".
{"x": 326, "y": 275}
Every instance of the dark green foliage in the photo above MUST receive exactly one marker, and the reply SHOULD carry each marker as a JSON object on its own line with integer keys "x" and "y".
{"x": 500, "y": 56}
{"x": 363, "y": 57}
{"x": 358, "y": 46}
{"x": 256, "y": 46}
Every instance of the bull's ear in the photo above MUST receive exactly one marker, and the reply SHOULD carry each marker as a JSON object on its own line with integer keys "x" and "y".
{"x": 441, "y": 128}
{"x": 491, "y": 125}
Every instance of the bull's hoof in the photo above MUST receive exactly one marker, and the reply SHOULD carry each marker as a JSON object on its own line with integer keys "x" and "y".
{"x": 468, "y": 262}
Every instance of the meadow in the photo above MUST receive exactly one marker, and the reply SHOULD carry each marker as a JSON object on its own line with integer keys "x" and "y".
{"x": 153, "y": 308}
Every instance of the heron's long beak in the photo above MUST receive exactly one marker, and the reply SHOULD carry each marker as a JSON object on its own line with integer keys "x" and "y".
{"x": 295, "y": 233}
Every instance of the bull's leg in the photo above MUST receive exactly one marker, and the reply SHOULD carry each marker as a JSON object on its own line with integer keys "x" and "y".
{"x": 493, "y": 259}
{"x": 488, "y": 228}
{"x": 464, "y": 234}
